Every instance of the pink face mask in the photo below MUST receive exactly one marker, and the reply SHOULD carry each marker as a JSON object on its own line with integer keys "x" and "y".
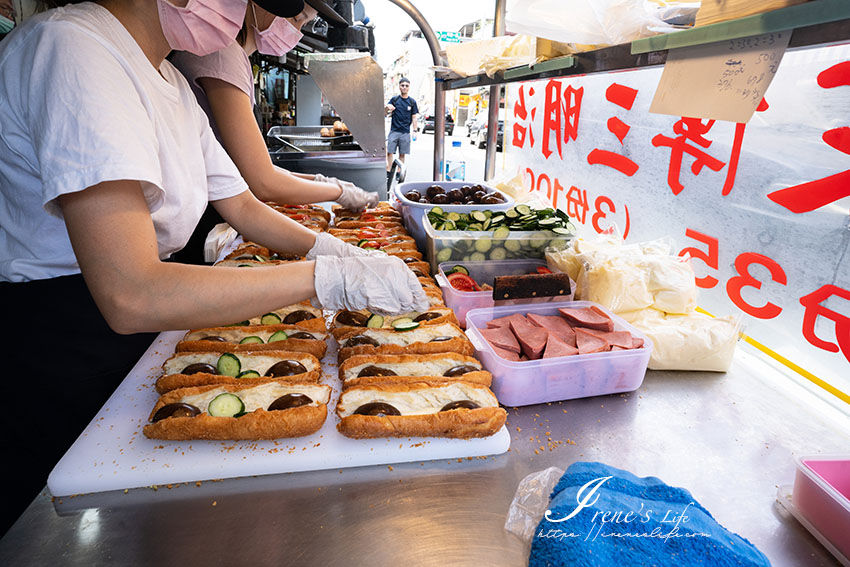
{"x": 278, "y": 39}
{"x": 202, "y": 26}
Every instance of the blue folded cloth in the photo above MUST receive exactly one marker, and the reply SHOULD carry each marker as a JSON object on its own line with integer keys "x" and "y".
{"x": 609, "y": 517}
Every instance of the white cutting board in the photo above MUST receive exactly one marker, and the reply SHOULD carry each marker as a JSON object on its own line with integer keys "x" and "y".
{"x": 113, "y": 454}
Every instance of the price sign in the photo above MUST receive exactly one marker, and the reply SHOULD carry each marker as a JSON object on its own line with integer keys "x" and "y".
{"x": 449, "y": 37}
{"x": 720, "y": 81}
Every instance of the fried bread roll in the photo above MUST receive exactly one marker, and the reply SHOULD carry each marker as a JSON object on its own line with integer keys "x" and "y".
{"x": 185, "y": 369}
{"x": 346, "y": 321}
{"x": 385, "y": 222}
{"x": 272, "y": 410}
{"x": 425, "y": 409}
{"x": 302, "y": 315}
{"x": 382, "y": 208}
{"x": 251, "y": 251}
{"x": 427, "y": 339}
{"x": 368, "y": 232}
{"x": 447, "y": 366}
{"x": 310, "y": 210}
{"x": 254, "y": 338}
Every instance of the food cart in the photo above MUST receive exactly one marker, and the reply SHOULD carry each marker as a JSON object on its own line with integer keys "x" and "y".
{"x": 730, "y": 438}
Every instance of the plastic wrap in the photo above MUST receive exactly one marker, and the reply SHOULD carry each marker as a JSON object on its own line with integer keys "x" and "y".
{"x": 530, "y": 502}
{"x": 688, "y": 342}
{"x": 593, "y": 22}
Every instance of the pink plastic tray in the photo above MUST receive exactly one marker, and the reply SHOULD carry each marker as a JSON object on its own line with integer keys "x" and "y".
{"x": 563, "y": 378}
{"x": 822, "y": 496}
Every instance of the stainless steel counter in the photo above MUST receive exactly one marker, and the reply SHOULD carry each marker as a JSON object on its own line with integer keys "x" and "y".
{"x": 728, "y": 438}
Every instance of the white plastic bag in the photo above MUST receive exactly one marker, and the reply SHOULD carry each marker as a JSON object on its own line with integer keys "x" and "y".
{"x": 594, "y": 22}
{"x": 530, "y": 502}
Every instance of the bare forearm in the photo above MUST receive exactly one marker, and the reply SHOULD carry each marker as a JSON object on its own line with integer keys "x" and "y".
{"x": 179, "y": 296}
{"x": 260, "y": 223}
{"x": 281, "y": 186}
{"x": 115, "y": 243}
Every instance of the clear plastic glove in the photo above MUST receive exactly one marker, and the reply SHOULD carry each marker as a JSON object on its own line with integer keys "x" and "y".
{"x": 352, "y": 197}
{"x": 328, "y": 245}
{"x": 413, "y": 135}
{"x": 383, "y": 285}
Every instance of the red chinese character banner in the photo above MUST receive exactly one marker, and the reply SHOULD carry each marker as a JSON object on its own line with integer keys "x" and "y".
{"x": 763, "y": 208}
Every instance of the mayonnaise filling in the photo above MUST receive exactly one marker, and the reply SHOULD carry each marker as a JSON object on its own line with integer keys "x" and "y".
{"x": 258, "y": 362}
{"x": 422, "y": 401}
{"x": 424, "y": 368}
{"x": 261, "y": 397}
{"x": 422, "y": 334}
{"x": 235, "y": 335}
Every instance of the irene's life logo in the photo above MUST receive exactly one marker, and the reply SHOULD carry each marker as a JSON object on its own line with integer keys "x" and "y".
{"x": 620, "y": 523}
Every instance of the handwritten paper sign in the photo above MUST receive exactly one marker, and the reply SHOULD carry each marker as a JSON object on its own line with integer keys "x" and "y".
{"x": 720, "y": 81}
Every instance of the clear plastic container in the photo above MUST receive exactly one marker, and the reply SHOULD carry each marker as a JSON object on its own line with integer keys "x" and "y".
{"x": 485, "y": 273}
{"x": 563, "y": 378}
{"x": 464, "y": 246}
{"x": 412, "y": 212}
{"x": 822, "y": 496}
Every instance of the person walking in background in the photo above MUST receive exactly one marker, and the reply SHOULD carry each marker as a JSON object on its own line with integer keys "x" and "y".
{"x": 404, "y": 114}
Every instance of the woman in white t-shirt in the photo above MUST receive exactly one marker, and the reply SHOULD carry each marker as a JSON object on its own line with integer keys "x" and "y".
{"x": 224, "y": 85}
{"x": 106, "y": 165}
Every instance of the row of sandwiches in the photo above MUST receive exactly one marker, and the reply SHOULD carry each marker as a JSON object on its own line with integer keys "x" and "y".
{"x": 410, "y": 374}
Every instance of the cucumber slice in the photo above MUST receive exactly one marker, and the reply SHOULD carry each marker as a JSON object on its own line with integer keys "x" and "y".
{"x": 226, "y": 405}
{"x": 270, "y": 319}
{"x": 444, "y": 255}
{"x": 501, "y": 233}
{"x": 498, "y": 253}
{"x": 488, "y": 213}
{"x": 549, "y": 222}
{"x": 483, "y": 244}
{"x": 523, "y": 209}
{"x": 458, "y": 268}
{"x": 511, "y": 213}
{"x": 477, "y": 257}
{"x": 486, "y": 225}
{"x": 259, "y": 258}
{"x": 278, "y": 336}
{"x": 561, "y": 230}
{"x": 449, "y": 225}
{"x": 240, "y": 324}
{"x": 478, "y": 216}
{"x": 228, "y": 365}
{"x": 436, "y": 211}
{"x": 252, "y": 340}
{"x": 497, "y": 219}
{"x": 404, "y": 324}
{"x": 512, "y": 245}
{"x": 361, "y": 242}
{"x": 375, "y": 321}
{"x": 248, "y": 374}
{"x": 453, "y": 216}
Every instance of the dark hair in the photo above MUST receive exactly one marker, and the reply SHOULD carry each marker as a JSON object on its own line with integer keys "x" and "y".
{"x": 404, "y": 80}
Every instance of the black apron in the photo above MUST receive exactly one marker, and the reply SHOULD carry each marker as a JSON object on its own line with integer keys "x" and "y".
{"x": 62, "y": 363}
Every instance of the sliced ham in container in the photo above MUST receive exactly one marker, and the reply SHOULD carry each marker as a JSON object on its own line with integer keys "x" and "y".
{"x": 556, "y": 347}
{"x": 555, "y": 324}
{"x": 590, "y": 317}
{"x": 589, "y": 343}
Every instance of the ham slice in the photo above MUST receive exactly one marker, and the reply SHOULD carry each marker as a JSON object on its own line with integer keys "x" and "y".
{"x": 507, "y": 354}
{"x": 622, "y": 339}
{"x": 500, "y": 322}
{"x": 556, "y": 347}
{"x": 637, "y": 342}
{"x": 556, "y": 325}
{"x": 532, "y": 339}
{"x": 501, "y": 337}
{"x": 589, "y": 343}
{"x": 590, "y": 317}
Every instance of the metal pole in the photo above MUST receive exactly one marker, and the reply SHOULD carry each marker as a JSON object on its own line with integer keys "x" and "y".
{"x": 493, "y": 105}
{"x": 439, "y": 93}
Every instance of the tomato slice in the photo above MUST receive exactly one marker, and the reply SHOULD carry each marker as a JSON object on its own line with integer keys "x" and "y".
{"x": 462, "y": 282}
{"x": 543, "y": 270}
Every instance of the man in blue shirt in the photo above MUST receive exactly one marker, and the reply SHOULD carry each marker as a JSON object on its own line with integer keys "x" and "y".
{"x": 405, "y": 112}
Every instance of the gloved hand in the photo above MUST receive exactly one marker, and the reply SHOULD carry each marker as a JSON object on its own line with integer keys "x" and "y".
{"x": 352, "y": 197}
{"x": 413, "y": 136}
{"x": 329, "y": 245}
{"x": 383, "y": 285}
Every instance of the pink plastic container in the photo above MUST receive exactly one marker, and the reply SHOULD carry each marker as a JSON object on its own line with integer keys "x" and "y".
{"x": 564, "y": 378}
{"x": 822, "y": 495}
{"x": 485, "y": 273}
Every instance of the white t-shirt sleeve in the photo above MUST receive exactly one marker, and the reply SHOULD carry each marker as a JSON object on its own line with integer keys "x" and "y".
{"x": 85, "y": 129}
{"x": 223, "y": 177}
